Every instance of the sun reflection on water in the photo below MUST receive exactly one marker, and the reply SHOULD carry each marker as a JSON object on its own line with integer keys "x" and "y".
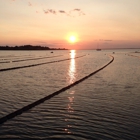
{"x": 72, "y": 68}
{"x": 70, "y": 112}
{"x": 72, "y": 78}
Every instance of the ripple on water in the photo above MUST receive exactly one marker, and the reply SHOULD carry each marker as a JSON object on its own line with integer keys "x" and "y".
{"x": 104, "y": 107}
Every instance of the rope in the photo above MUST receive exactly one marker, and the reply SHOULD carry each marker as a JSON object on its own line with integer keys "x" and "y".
{"x": 33, "y": 65}
{"x": 30, "y": 59}
{"x": 134, "y": 56}
{"x": 36, "y": 58}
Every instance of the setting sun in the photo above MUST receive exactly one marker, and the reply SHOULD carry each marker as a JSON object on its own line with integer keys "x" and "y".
{"x": 72, "y": 39}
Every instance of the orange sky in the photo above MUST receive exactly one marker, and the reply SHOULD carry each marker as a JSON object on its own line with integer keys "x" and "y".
{"x": 109, "y": 23}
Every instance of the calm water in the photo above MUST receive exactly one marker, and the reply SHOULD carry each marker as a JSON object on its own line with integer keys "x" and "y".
{"x": 106, "y": 106}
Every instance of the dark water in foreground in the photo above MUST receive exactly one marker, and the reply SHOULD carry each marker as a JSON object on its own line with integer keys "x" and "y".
{"x": 106, "y": 106}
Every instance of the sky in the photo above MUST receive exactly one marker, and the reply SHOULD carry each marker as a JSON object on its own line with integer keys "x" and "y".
{"x": 93, "y": 23}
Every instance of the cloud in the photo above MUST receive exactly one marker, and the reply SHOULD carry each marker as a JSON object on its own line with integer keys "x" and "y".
{"x": 49, "y": 11}
{"x": 29, "y": 4}
{"x": 77, "y": 9}
{"x": 46, "y": 12}
{"x": 72, "y": 13}
{"x": 52, "y": 11}
{"x": 81, "y": 13}
{"x": 61, "y": 11}
{"x": 76, "y": 12}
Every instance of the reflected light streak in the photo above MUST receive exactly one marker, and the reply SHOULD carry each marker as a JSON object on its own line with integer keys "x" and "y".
{"x": 72, "y": 53}
{"x": 71, "y": 77}
{"x": 72, "y": 69}
{"x": 70, "y": 110}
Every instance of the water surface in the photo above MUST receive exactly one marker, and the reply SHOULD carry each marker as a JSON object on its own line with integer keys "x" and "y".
{"x": 103, "y": 107}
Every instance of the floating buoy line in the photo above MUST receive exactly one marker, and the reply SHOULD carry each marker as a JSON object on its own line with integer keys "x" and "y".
{"x": 134, "y": 56}
{"x": 33, "y": 65}
{"x": 26, "y": 108}
{"x": 30, "y": 59}
{"x": 36, "y": 58}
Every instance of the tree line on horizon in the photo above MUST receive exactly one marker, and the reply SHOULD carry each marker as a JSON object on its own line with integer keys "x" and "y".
{"x": 29, "y": 47}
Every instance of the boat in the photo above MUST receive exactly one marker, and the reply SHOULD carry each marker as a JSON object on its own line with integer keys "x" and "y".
{"x": 98, "y": 49}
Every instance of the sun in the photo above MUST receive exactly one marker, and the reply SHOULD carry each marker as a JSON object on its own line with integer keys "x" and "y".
{"x": 72, "y": 39}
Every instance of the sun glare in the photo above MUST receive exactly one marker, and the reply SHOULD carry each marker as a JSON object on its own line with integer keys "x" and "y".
{"x": 72, "y": 39}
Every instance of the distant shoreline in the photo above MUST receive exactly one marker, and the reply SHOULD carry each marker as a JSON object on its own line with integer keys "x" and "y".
{"x": 28, "y": 47}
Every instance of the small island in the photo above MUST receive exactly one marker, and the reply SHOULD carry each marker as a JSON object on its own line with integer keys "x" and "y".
{"x": 29, "y": 47}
